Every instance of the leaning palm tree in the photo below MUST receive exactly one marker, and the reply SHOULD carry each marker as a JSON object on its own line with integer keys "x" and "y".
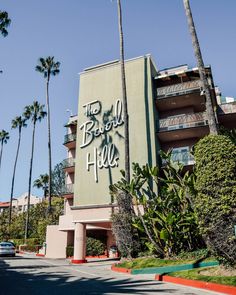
{"x": 42, "y": 182}
{"x": 4, "y": 23}
{"x": 4, "y": 136}
{"x": 48, "y": 67}
{"x": 18, "y": 123}
{"x": 210, "y": 115}
{"x": 35, "y": 113}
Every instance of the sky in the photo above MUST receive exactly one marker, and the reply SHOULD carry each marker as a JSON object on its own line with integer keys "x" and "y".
{"x": 84, "y": 33}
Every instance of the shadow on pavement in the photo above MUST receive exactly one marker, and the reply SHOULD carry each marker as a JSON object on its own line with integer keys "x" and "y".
{"x": 50, "y": 279}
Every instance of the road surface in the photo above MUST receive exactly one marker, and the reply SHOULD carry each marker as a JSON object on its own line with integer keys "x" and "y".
{"x": 26, "y": 275}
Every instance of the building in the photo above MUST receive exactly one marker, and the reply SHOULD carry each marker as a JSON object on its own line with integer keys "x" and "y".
{"x": 19, "y": 205}
{"x": 166, "y": 111}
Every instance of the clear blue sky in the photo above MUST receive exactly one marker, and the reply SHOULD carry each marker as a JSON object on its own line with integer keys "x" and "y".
{"x": 83, "y": 33}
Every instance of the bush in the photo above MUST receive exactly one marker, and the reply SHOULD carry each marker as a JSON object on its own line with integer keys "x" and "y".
{"x": 215, "y": 204}
{"x": 69, "y": 251}
{"x": 94, "y": 247}
{"x": 29, "y": 242}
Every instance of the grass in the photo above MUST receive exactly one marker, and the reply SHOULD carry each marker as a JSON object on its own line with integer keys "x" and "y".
{"x": 154, "y": 262}
{"x": 195, "y": 274}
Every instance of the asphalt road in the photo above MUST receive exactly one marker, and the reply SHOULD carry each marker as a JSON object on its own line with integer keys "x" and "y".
{"x": 26, "y": 275}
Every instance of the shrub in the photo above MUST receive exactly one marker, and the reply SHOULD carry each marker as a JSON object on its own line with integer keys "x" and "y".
{"x": 69, "y": 251}
{"x": 215, "y": 204}
{"x": 94, "y": 247}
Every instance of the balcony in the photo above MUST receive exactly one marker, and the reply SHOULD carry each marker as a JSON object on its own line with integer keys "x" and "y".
{"x": 227, "y": 114}
{"x": 69, "y": 140}
{"x": 68, "y": 191}
{"x": 69, "y": 165}
{"x": 182, "y": 127}
{"x": 178, "y": 89}
{"x": 180, "y": 95}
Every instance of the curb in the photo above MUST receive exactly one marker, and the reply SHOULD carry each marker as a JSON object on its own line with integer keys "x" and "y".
{"x": 120, "y": 269}
{"x": 231, "y": 290}
{"x": 164, "y": 269}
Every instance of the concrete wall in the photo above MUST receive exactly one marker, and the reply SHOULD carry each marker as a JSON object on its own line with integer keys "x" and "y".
{"x": 56, "y": 242}
{"x": 104, "y": 84}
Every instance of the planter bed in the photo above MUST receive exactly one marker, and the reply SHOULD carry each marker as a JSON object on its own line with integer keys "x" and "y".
{"x": 193, "y": 278}
{"x": 162, "y": 266}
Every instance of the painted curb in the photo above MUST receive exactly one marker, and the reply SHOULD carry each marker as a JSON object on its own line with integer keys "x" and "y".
{"x": 164, "y": 269}
{"x": 120, "y": 269}
{"x": 78, "y": 261}
{"x": 231, "y": 290}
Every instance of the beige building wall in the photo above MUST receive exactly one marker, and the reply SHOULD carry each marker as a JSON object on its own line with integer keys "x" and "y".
{"x": 104, "y": 85}
{"x": 56, "y": 242}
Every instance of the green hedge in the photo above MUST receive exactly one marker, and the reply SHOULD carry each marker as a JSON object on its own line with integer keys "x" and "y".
{"x": 29, "y": 242}
{"x": 94, "y": 247}
{"x": 215, "y": 204}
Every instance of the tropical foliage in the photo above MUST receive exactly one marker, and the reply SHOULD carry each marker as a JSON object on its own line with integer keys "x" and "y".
{"x": 216, "y": 194}
{"x": 48, "y": 67}
{"x": 4, "y": 23}
{"x": 16, "y": 123}
{"x": 165, "y": 216}
{"x": 35, "y": 113}
{"x": 4, "y": 137}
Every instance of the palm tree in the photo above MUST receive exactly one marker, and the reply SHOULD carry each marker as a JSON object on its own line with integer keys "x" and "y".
{"x": 42, "y": 182}
{"x": 36, "y": 113}
{"x": 18, "y": 122}
{"x": 48, "y": 67}
{"x": 124, "y": 94}
{"x": 4, "y": 23}
{"x": 203, "y": 77}
{"x": 4, "y": 136}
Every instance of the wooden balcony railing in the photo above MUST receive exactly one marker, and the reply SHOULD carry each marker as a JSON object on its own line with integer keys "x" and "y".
{"x": 182, "y": 121}
{"x": 178, "y": 89}
{"x": 69, "y": 162}
{"x": 69, "y": 137}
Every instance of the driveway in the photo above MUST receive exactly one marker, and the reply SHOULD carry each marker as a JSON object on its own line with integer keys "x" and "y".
{"x": 26, "y": 275}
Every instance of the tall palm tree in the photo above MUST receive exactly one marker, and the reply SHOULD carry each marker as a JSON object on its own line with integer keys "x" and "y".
{"x": 4, "y": 23}
{"x": 124, "y": 94}
{"x": 48, "y": 67}
{"x": 18, "y": 123}
{"x": 35, "y": 113}
{"x": 42, "y": 182}
{"x": 4, "y": 136}
{"x": 210, "y": 115}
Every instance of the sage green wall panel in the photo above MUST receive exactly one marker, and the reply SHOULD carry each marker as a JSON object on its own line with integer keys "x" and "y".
{"x": 104, "y": 84}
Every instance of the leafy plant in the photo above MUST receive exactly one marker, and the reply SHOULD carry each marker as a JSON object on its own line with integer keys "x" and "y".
{"x": 215, "y": 204}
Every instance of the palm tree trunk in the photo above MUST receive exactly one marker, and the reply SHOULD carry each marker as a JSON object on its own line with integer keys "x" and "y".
{"x": 13, "y": 177}
{"x": 29, "y": 188}
{"x": 205, "y": 85}
{"x": 49, "y": 150}
{"x": 124, "y": 95}
{"x": 1, "y": 153}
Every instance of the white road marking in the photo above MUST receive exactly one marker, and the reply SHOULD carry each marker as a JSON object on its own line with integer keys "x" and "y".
{"x": 69, "y": 268}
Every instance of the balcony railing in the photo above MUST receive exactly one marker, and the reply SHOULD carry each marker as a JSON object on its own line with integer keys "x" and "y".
{"x": 182, "y": 121}
{"x": 69, "y": 137}
{"x": 184, "y": 157}
{"x": 227, "y": 108}
{"x": 69, "y": 162}
{"x": 178, "y": 89}
{"x": 68, "y": 189}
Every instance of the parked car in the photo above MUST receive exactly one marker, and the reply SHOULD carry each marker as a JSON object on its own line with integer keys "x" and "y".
{"x": 7, "y": 249}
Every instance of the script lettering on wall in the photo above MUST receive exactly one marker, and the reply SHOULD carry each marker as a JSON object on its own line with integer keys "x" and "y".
{"x": 106, "y": 157}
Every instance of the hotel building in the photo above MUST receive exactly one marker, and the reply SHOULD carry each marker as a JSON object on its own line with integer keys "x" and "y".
{"x": 166, "y": 111}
